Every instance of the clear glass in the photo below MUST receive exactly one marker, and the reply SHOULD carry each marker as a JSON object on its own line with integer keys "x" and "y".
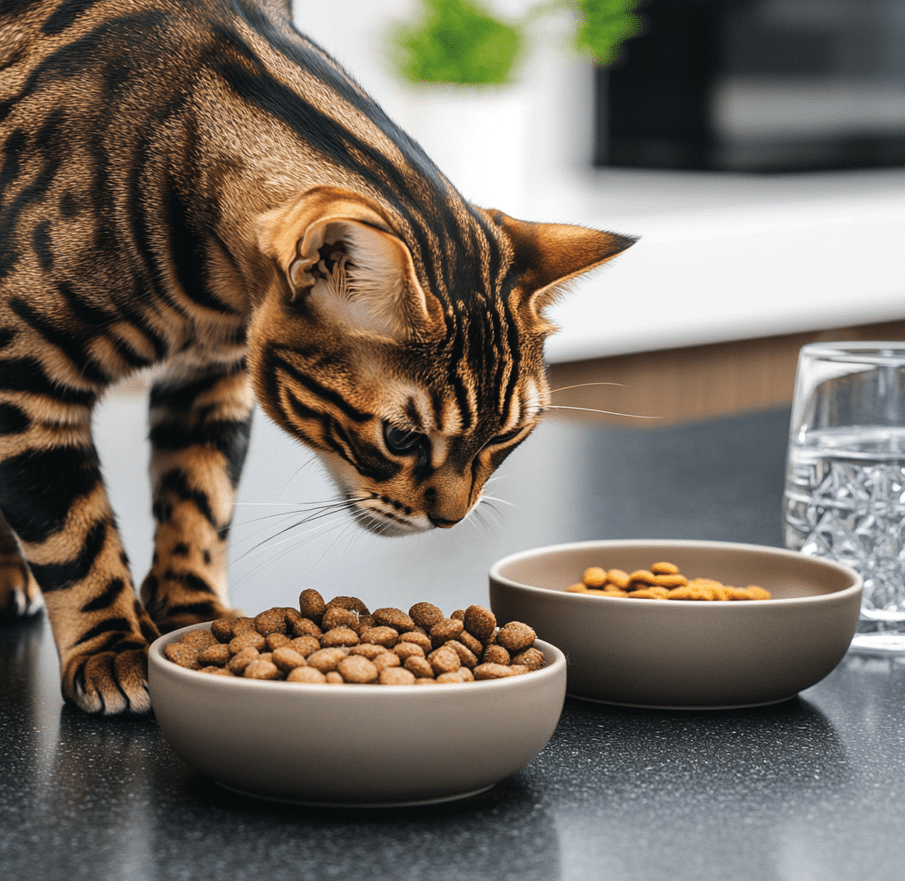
{"x": 845, "y": 475}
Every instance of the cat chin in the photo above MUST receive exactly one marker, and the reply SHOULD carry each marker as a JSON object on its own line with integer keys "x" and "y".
{"x": 388, "y": 527}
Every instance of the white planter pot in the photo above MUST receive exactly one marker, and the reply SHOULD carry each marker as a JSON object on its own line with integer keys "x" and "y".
{"x": 479, "y": 136}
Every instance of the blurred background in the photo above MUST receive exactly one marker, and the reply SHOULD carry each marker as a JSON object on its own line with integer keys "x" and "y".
{"x": 757, "y": 147}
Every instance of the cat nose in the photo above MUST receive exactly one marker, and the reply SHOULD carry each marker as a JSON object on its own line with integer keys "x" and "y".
{"x": 442, "y": 523}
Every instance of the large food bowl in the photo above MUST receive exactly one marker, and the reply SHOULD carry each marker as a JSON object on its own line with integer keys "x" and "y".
{"x": 356, "y": 745}
{"x": 680, "y": 653}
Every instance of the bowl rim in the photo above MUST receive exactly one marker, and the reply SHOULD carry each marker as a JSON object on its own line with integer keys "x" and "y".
{"x": 551, "y": 669}
{"x": 855, "y": 587}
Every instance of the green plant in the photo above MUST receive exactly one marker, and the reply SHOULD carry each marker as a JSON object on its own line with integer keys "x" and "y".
{"x": 457, "y": 41}
{"x": 603, "y": 26}
{"x": 461, "y": 41}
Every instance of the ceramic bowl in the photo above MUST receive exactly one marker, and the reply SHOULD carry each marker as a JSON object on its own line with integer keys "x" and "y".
{"x": 685, "y": 654}
{"x": 356, "y": 745}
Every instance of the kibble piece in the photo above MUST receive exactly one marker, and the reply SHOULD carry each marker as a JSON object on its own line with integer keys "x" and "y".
{"x": 239, "y": 661}
{"x": 339, "y": 636}
{"x": 275, "y": 640}
{"x": 365, "y": 621}
{"x": 472, "y": 643}
{"x": 198, "y": 639}
{"x": 492, "y": 671}
{"x": 183, "y": 655}
{"x": 357, "y": 669}
{"x": 352, "y": 603}
{"x": 270, "y": 621}
{"x": 337, "y": 616}
{"x": 408, "y": 650}
{"x": 306, "y": 627}
{"x": 645, "y": 576}
{"x": 216, "y": 655}
{"x": 262, "y": 669}
{"x": 479, "y": 622}
{"x": 306, "y": 674}
{"x": 516, "y": 636}
{"x": 618, "y": 578}
{"x": 333, "y": 677}
{"x": 496, "y": 654}
{"x": 425, "y": 615}
{"x": 664, "y": 569}
{"x": 216, "y": 671}
{"x": 420, "y": 666}
{"x": 594, "y": 576}
{"x": 292, "y": 616}
{"x": 248, "y": 639}
{"x": 395, "y": 618}
{"x": 385, "y": 636}
{"x": 304, "y": 645}
{"x": 368, "y": 650}
{"x": 577, "y": 588}
{"x": 444, "y": 660}
{"x": 445, "y": 630}
{"x": 463, "y": 674}
{"x": 241, "y": 624}
{"x": 311, "y": 605}
{"x": 458, "y": 615}
{"x": 327, "y": 659}
{"x": 425, "y": 680}
{"x": 417, "y": 638}
{"x": 387, "y": 659}
{"x": 287, "y": 658}
{"x": 222, "y": 629}
{"x": 670, "y": 580}
{"x": 466, "y": 655}
{"x": 531, "y": 658}
{"x": 649, "y": 593}
{"x": 396, "y": 676}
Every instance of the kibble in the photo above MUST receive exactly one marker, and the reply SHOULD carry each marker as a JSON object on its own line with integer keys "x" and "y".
{"x": 340, "y": 641}
{"x": 663, "y": 581}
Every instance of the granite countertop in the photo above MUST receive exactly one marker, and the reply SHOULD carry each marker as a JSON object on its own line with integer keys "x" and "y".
{"x": 813, "y": 788}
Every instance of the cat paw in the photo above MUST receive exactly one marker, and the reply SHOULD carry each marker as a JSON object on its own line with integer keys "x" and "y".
{"x": 109, "y": 683}
{"x": 20, "y": 596}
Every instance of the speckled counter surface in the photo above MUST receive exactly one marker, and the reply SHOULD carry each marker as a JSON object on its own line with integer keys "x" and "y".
{"x": 813, "y": 788}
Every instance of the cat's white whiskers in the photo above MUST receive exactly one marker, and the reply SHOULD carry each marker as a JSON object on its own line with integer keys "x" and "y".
{"x": 585, "y": 385}
{"x": 603, "y": 412}
{"x": 487, "y": 498}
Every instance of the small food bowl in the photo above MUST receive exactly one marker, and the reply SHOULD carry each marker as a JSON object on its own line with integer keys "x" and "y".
{"x": 684, "y": 654}
{"x": 355, "y": 745}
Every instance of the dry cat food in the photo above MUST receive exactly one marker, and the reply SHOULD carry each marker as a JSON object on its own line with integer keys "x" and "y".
{"x": 663, "y": 581}
{"x": 341, "y": 641}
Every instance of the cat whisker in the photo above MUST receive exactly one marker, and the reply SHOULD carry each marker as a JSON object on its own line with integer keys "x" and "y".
{"x": 585, "y": 385}
{"x": 487, "y": 498}
{"x": 603, "y": 412}
{"x": 269, "y": 542}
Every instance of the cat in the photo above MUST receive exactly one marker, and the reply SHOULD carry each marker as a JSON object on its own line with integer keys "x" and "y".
{"x": 195, "y": 185}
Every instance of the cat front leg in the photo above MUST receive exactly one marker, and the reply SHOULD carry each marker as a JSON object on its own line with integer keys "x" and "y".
{"x": 56, "y": 508}
{"x": 200, "y": 418}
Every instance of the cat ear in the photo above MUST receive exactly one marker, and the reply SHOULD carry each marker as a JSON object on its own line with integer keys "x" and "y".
{"x": 374, "y": 288}
{"x": 549, "y": 255}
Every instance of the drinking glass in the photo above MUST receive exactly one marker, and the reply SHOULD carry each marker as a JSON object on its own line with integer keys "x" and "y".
{"x": 845, "y": 475}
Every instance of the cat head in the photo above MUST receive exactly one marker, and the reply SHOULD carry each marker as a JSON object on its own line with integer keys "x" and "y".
{"x": 409, "y": 354}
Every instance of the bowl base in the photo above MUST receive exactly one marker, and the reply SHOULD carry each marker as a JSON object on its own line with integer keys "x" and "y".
{"x": 688, "y": 707}
{"x": 356, "y": 805}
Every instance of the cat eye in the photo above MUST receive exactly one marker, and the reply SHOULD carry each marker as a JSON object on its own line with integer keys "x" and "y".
{"x": 505, "y": 438}
{"x": 401, "y": 440}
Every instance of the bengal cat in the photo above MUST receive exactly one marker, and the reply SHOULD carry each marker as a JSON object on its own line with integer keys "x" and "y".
{"x": 194, "y": 184}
